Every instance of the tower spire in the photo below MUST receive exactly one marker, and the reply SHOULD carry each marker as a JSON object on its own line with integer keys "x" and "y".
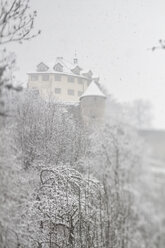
{"x": 75, "y": 59}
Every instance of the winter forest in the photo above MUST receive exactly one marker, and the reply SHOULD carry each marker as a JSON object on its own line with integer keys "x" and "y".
{"x": 64, "y": 183}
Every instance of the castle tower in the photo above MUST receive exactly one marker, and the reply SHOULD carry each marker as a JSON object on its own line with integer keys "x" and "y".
{"x": 92, "y": 104}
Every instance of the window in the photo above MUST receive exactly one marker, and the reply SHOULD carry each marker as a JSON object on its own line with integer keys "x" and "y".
{"x": 34, "y": 77}
{"x": 71, "y": 79}
{"x": 76, "y": 70}
{"x": 93, "y": 116}
{"x": 58, "y": 67}
{"x": 42, "y": 67}
{"x": 57, "y": 77}
{"x": 45, "y": 77}
{"x": 57, "y": 90}
{"x": 71, "y": 92}
{"x": 80, "y": 93}
{"x": 80, "y": 80}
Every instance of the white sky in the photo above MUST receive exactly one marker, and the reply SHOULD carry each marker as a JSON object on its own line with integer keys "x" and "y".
{"x": 111, "y": 37}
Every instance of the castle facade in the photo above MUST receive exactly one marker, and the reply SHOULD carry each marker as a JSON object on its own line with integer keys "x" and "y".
{"x": 62, "y": 80}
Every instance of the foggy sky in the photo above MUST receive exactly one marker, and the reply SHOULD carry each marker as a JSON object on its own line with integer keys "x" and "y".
{"x": 113, "y": 38}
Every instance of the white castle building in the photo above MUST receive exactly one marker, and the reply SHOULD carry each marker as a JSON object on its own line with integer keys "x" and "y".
{"x": 62, "y": 80}
{"x": 68, "y": 83}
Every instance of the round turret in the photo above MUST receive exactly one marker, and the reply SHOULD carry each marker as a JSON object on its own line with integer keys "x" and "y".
{"x": 92, "y": 104}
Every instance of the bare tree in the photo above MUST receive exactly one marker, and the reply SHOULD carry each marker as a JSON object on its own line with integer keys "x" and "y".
{"x": 46, "y": 132}
{"x": 16, "y": 21}
{"x": 160, "y": 46}
{"x": 16, "y": 25}
{"x": 76, "y": 214}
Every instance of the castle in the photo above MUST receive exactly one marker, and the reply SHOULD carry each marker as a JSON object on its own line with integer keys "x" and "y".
{"x": 62, "y": 80}
{"x": 67, "y": 82}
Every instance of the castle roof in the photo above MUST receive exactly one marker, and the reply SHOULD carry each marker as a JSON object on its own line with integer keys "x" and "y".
{"x": 62, "y": 66}
{"x": 93, "y": 90}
